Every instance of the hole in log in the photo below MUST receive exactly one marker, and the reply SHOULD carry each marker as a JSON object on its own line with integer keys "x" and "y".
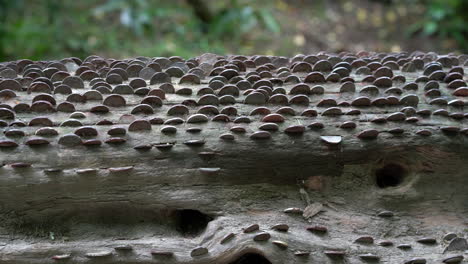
{"x": 103, "y": 219}
{"x": 191, "y": 222}
{"x": 390, "y": 175}
{"x": 251, "y": 258}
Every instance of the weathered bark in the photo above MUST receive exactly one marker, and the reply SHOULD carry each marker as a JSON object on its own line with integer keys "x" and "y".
{"x": 58, "y": 199}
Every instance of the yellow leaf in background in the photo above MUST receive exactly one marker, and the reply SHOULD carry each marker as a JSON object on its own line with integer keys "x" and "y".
{"x": 171, "y": 46}
{"x": 376, "y": 19}
{"x": 92, "y": 40}
{"x": 361, "y": 15}
{"x": 250, "y": 49}
{"x": 281, "y": 5}
{"x": 331, "y": 36}
{"x": 395, "y": 48}
{"x": 391, "y": 16}
{"x": 348, "y": 6}
{"x": 299, "y": 40}
{"x": 402, "y": 10}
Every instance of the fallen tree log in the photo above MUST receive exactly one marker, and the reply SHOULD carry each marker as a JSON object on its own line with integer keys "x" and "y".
{"x": 326, "y": 158}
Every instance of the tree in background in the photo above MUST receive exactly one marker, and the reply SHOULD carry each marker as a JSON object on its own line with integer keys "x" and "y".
{"x": 55, "y": 28}
{"x": 51, "y": 29}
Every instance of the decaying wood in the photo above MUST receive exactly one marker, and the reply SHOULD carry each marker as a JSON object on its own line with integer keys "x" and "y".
{"x": 230, "y": 159}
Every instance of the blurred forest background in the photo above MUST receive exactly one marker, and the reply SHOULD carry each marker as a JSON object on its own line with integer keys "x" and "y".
{"x": 52, "y": 29}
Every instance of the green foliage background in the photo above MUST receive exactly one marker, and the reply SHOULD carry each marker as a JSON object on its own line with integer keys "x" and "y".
{"x": 446, "y": 19}
{"x": 49, "y": 29}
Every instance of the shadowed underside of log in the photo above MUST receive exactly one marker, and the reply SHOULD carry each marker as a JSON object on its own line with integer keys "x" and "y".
{"x": 326, "y": 158}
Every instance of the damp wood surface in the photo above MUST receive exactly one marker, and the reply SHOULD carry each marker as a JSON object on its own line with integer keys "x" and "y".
{"x": 322, "y": 158}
